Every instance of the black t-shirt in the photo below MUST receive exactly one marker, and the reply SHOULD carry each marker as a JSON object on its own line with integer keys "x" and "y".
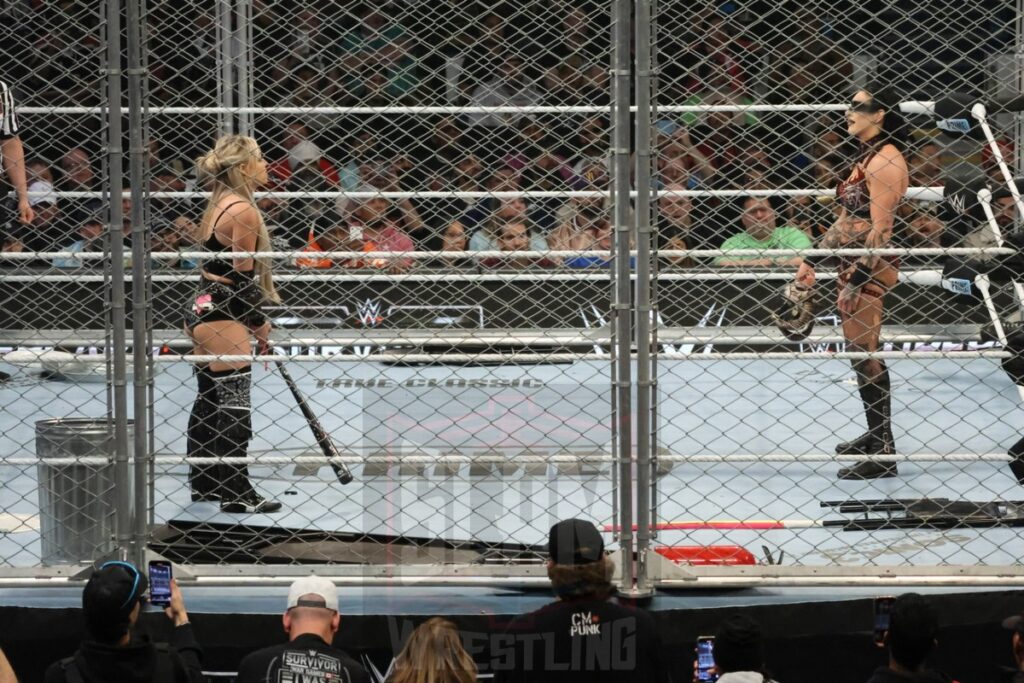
{"x": 592, "y": 640}
{"x": 884, "y": 674}
{"x": 306, "y": 659}
{"x": 141, "y": 661}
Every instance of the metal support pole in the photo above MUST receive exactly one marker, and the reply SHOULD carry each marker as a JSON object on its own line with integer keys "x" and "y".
{"x": 106, "y": 114}
{"x": 150, "y": 369}
{"x": 226, "y": 84}
{"x": 612, "y": 335}
{"x": 1018, "y": 56}
{"x": 1018, "y": 160}
{"x": 115, "y": 155}
{"x": 622, "y": 441}
{"x": 243, "y": 60}
{"x": 140, "y": 275}
{"x": 643, "y": 311}
{"x": 654, "y": 281}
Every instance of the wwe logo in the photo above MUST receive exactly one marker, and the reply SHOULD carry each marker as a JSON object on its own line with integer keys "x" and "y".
{"x": 958, "y": 202}
{"x": 368, "y": 313}
{"x": 599, "y": 321}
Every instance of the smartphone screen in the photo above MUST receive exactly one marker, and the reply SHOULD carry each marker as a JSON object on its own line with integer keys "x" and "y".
{"x": 160, "y": 583}
{"x": 882, "y": 609}
{"x": 706, "y": 658}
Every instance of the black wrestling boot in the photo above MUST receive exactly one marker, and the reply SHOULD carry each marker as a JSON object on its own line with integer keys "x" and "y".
{"x": 234, "y": 431}
{"x": 1017, "y": 460}
{"x": 204, "y": 480}
{"x": 869, "y": 469}
{"x": 859, "y": 446}
{"x": 864, "y": 441}
{"x": 251, "y": 504}
{"x": 878, "y": 440}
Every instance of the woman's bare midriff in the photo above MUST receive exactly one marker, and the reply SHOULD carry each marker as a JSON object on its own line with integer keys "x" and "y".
{"x": 851, "y": 233}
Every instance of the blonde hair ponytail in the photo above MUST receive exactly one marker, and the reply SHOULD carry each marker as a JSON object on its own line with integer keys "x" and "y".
{"x": 221, "y": 170}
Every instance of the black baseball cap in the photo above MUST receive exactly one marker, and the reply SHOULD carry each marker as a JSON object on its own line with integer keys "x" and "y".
{"x": 739, "y": 645}
{"x": 1015, "y": 623}
{"x": 575, "y": 541}
{"x": 110, "y": 596}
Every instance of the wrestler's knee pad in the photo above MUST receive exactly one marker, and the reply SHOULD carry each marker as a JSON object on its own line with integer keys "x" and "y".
{"x": 234, "y": 409}
{"x": 869, "y": 369}
{"x": 861, "y": 365}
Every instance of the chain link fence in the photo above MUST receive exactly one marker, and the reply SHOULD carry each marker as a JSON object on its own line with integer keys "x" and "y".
{"x": 452, "y": 191}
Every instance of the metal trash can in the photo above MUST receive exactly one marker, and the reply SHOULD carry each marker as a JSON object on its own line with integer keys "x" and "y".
{"x": 76, "y": 500}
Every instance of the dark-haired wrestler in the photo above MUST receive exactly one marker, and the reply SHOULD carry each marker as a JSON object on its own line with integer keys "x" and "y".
{"x": 869, "y": 197}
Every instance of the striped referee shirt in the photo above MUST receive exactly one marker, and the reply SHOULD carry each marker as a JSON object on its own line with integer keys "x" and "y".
{"x": 8, "y": 119}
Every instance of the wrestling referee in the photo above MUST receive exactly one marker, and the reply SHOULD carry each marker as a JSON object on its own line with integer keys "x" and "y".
{"x": 13, "y": 154}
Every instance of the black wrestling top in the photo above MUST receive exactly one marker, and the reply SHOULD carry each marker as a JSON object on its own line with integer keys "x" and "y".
{"x": 221, "y": 267}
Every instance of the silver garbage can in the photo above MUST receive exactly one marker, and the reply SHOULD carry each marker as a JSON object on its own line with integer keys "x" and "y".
{"x": 76, "y": 500}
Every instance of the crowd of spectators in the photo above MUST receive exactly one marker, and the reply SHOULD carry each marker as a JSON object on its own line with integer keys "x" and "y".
{"x": 382, "y": 54}
{"x": 586, "y": 634}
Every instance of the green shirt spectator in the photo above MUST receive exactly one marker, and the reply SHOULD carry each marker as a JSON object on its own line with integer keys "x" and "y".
{"x": 692, "y": 118}
{"x": 760, "y": 232}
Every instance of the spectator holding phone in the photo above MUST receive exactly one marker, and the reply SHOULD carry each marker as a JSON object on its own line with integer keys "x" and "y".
{"x": 910, "y": 639}
{"x": 738, "y": 653}
{"x": 115, "y": 649}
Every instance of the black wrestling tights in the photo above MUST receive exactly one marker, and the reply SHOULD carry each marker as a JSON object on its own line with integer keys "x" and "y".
{"x": 220, "y": 426}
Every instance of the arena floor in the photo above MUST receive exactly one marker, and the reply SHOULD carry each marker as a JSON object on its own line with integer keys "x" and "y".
{"x": 707, "y": 408}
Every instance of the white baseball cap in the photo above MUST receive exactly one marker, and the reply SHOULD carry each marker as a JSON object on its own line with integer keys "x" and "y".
{"x": 48, "y": 196}
{"x": 313, "y": 585}
{"x": 305, "y": 152}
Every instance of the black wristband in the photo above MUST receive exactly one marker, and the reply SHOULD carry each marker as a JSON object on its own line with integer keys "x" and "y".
{"x": 861, "y": 275}
{"x": 248, "y": 291}
{"x": 815, "y": 261}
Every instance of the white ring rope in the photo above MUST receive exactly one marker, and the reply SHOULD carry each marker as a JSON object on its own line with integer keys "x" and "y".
{"x": 285, "y": 336}
{"x": 580, "y": 275}
{"x": 400, "y": 459}
{"x": 516, "y": 357}
{"x": 907, "y": 107}
{"x": 924, "y": 277}
{"x": 547, "y": 253}
{"x": 923, "y": 193}
{"x": 599, "y": 336}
